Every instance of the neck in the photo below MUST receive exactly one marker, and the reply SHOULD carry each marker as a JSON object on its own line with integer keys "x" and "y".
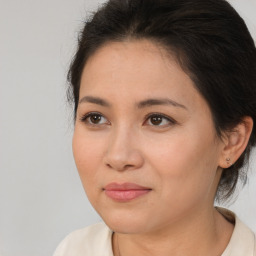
{"x": 209, "y": 229}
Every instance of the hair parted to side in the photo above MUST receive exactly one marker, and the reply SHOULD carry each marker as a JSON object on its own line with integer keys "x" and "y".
{"x": 210, "y": 42}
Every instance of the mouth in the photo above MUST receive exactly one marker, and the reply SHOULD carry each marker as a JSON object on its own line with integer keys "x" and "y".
{"x": 125, "y": 192}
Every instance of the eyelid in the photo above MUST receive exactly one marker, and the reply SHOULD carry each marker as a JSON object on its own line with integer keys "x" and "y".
{"x": 84, "y": 118}
{"x": 171, "y": 120}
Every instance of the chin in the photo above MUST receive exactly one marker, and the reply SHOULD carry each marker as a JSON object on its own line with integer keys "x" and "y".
{"x": 126, "y": 223}
{"x": 126, "y": 227}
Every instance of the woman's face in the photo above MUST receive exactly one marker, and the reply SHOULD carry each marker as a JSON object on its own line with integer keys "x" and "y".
{"x": 144, "y": 141}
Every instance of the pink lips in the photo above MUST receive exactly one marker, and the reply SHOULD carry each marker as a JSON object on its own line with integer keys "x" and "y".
{"x": 125, "y": 191}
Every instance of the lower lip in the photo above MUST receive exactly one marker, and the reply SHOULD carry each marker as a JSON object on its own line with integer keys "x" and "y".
{"x": 126, "y": 195}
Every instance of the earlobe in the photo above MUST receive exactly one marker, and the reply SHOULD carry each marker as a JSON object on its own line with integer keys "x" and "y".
{"x": 235, "y": 142}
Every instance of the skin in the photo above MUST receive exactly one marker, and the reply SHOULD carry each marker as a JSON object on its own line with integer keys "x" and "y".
{"x": 179, "y": 159}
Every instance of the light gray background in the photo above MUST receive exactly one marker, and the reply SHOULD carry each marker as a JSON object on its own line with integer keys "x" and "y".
{"x": 41, "y": 197}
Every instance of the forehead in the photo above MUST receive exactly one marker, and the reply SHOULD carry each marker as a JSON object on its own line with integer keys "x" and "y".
{"x": 135, "y": 70}
{"x": 116, "y": 59}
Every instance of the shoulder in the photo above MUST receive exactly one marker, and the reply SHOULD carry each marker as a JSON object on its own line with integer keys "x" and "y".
{"x": 94, "y": 240}
{"x": 242, "y": 241}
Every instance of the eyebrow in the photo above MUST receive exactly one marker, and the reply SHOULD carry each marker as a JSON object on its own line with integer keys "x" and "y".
{"x": 95, "y": 100}
{"x": 160, "y": 101}
{"x": 140, "y": 105}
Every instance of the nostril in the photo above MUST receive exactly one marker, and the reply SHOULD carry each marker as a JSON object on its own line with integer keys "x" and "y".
{"x": 121, "y": 167}
{"x": 128, "y": 166}
{"x": 108, "y": 165}
{"x": 121, "y": 159}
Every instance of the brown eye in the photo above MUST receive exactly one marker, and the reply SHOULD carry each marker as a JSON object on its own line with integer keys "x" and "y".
{"x": 95, "y": 118}
{"x": 159, "y": 120}
{"x": 156, "y": 120}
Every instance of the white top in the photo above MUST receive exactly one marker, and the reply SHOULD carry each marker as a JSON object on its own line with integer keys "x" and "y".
{"x": 96, "y": 240}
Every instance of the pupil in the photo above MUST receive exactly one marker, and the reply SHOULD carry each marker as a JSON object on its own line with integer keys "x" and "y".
{"x": 156, "y": 120}
{"x": 95, "y": 119}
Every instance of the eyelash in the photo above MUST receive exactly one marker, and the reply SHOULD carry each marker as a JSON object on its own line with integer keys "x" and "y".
{"x": 171, "y": 121}
{"x": 163, "y": 117}
{"x": 88, "y": 115}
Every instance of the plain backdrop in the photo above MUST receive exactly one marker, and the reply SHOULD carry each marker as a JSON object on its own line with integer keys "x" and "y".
{"x": 41, "y": 197}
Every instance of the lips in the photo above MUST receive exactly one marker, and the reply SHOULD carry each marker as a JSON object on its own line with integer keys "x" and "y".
{"x": 125, "y": 192}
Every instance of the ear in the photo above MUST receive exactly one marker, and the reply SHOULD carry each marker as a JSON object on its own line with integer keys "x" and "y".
{"x": 235, "y": 142}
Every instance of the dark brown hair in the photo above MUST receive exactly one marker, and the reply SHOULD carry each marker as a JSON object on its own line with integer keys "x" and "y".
{"x": 210, "y": 41}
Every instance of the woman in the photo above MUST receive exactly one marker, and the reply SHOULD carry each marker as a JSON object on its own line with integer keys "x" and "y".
{"x": 164, "y": 100}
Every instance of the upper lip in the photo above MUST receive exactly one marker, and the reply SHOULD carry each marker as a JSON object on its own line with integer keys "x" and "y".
{"x": 124, "y": 186}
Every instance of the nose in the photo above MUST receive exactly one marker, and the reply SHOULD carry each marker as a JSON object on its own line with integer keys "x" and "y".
{"x": 122, "y": 151}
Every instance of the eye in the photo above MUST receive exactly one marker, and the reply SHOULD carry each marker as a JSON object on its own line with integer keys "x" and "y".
{"x": 94, "y": 119}
{"x": 159, "y": 120}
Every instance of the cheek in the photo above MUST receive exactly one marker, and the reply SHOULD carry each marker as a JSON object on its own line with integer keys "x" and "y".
{"x": 87, "y": 152}
{"x": 186, "y": 164}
